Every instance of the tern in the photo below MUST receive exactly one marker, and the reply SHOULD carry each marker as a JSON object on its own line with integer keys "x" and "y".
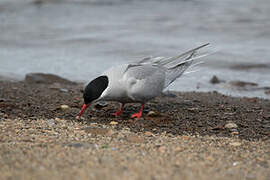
{"x": 138, "y": 82}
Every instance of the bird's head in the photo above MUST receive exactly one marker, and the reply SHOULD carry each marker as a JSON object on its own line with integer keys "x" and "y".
{"x": 93, "y": 91}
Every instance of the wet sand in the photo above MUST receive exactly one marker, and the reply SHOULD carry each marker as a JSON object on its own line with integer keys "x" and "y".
{"x": 183, "y": 135}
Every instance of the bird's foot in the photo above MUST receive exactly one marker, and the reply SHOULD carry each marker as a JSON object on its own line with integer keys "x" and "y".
{"x": 137, "y": 115}
{"x": 118, "y": 113}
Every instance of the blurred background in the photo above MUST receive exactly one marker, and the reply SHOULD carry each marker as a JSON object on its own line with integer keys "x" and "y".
{"x": 79, "y": 39}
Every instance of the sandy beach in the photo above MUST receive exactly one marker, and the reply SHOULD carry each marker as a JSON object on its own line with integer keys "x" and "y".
{"x": 183, "y": 135}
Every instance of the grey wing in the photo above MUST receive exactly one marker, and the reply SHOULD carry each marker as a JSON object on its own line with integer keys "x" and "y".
{"x": 145, "y": 82}
{"x": 174, "y": 66}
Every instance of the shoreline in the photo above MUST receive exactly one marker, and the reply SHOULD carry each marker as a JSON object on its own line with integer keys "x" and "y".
{"x": 236, "y": 88}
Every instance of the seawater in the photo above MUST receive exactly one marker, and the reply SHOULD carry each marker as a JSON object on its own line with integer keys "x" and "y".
{"x": 79, "y": 39}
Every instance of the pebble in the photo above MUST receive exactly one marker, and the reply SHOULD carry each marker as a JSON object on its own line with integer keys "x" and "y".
{"x": 236, "y": 144}
{"x": 51, "y": 122}
{"x": 2, "y": 100}
{"x": 57, "y": 119}
{"x": 83, "y": 145}
{"x": 134, "y": 139}
{"x": 210, "y": 158}
{"x": 148, "y": 134}
{"x": 98, "y": 131}
{"x": 185, "y": 137}
{"x": 5, "y": 116}
{"x": 101, "y": 105}
{"x": 250, "y": 177}
{"x": 113, "y": 123}
{"x": 152, "y": 114}
{"x": 63, "y": 107}
{"x": 79, "y": 118}
{"x": 235, "y": 133}
{"x": 64, "y": 90}
{"x": 179, "y": 149}
{"x": 162, "y": 149}
{"x": 231, "y": 125}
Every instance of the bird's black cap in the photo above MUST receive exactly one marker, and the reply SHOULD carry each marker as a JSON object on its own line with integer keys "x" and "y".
{"x": 95, "y": 88}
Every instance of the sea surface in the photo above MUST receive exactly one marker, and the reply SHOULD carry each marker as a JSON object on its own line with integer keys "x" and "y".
{"x": 79, "y": 39}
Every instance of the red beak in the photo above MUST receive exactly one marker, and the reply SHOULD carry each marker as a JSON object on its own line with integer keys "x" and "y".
{"x": 83, "y": 108}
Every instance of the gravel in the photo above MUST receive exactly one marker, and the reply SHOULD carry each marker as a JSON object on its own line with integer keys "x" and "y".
{"x": 188, "y": 138}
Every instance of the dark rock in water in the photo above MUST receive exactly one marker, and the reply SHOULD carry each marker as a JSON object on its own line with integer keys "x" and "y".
{"x": 40, "y": 2}
{"x": 243, "y": 84}
{"x": 41, "y": 78}
{"x": 267, "y": 92}
{"x": 216, "y": 80}
{"x": 250, "y": 66}
{"x": 168, "y": 94}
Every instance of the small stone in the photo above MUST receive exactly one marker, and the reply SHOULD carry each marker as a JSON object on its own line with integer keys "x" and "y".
{"x": 162, "y": 149}
{"x": 231, "y": 125}
{"x": 3, "y": 100}
{"x": 250, "y": 177}
{"x": 83, "y": 145}
{"x": 148, "y": 134}
{"x": 101, "y": 104}
{"x": 235, "y": 133}
{"x": 210, "y": 158}
{"x": 64, "y": 90}
{"x": 109, "y": 132}
{"x": 193, "y": 109}
{"x": 152, "y": 114}
{"x": 51, "y": 122}
{"x": 134, "y": 139}
{"x": 114, "y": 148}
{"x": 113, "y": 123}
{"x": 64, "y": 107}
{"x": 57, "y": 119}
{"x": 264, "y": 164}
{"x": 5, "y": 116}
{"x": 236, "y": 144}
{"x": 185, "y": 137}
{"x": 98, "y": 131}
{"x": 179, "y": 149}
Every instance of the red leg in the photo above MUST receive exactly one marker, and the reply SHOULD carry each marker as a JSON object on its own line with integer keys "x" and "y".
{"x": 139, "y": 114}
{"x": 120, "y": 111}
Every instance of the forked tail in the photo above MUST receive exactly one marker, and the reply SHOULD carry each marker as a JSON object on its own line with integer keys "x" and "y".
{"x": 177, "y": 65}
